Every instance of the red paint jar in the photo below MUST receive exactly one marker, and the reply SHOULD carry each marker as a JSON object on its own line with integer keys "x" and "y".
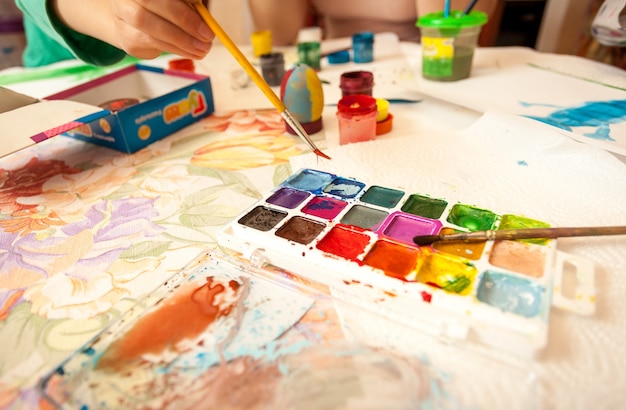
{"x": 357, "y": 118}
{"x": 356, "y": 82}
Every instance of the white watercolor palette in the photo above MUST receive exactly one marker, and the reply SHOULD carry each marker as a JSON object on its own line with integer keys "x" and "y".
{"x": 356, "y": 238}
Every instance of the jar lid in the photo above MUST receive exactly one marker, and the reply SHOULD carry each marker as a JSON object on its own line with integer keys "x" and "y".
{"x": 384, "y": 126}
{"x": 269, "y": 58}
{"x": 356, "y": 80}
{"x": 357, "y": 104}
{"x": 363, "y": 37}
{"x": 310, "y": 35}
{"x": 339, "y": 57}
{"x": 455, "y": 20}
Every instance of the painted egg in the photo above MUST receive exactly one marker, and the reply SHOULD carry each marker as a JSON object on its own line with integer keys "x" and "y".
{"x": 301, "y": 92}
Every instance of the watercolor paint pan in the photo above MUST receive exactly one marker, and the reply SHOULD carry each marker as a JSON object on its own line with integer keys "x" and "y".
{"x": 355, "y": 237}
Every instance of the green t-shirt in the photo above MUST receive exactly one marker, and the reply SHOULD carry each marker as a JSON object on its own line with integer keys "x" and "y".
{"x": 49, "y": 41}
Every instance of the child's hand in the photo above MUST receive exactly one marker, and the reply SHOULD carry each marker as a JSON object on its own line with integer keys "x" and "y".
{"x": 146, "y": 28}
{"x": 142, "y": 28}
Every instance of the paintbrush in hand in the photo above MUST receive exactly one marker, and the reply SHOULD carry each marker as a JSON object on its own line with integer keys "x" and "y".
{"x": 510, "y": 234}
{"x": 255, "y": 76}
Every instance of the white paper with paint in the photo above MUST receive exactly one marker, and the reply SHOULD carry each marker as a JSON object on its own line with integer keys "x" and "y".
{"x": 508, "y": 162}
{"x": 584, "y": 99}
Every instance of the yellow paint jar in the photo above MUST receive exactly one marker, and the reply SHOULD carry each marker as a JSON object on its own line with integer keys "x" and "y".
{"x": 261, "y": 42}
{"x": 383, "y": 109}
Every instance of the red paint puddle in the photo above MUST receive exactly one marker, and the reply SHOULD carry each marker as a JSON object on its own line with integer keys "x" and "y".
{"x": 344, "y": 241}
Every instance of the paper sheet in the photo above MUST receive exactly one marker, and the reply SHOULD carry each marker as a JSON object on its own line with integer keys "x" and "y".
{"x": 582, "y": 98}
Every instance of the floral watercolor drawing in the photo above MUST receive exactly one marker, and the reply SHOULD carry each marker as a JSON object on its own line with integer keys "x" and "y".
{"x": 86, "y": 231}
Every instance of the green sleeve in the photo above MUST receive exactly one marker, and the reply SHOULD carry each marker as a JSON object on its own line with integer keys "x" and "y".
{"x": 86, "y": 48}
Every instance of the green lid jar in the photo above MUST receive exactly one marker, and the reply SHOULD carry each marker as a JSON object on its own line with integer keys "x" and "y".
{"x": 448, "y": 43}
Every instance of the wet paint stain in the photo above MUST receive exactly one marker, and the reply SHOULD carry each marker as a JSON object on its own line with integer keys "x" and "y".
{"x": 288, "y": 198}
{"x": 309, "y": 180}
{"x": 301, "y": 230}
{"x": 519, "y": 257}
{"x": 597, "y": 114}
{"x": 344, "y": 188}
{"x": 381, "y": 196}
{"x": 511, "y": 294}
{"x": 450, "y": 274}
{"x": 509, "y": 221}
{"x": 466, "y": 249}
{"x": 345, "y": 241}
{"x": 424, "y": 206}
{"x": 471, "y": 218}
{"x": 394, "y": 259}
{"x": 364, "y": 217}
{"x": 403, "y": 227}
{"x": 181, "y": 318}
{"x": 324, "y": 207}
{"x": 262, "y": 218}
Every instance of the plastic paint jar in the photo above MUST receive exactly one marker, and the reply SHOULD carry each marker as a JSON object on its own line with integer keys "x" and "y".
{"x": 363, "y": 47}
{"x": 384, "y": 119}
{"x": 261, "y": 42}
{"x": 382, "y": 106}
{"x": 273, "y": 68}
{"x": 448, "y": 44}
{"x": 339, "y": 57}
{"x": 310, "y": 54}
{"x": 309, "y": 47}
{"x": 356, "y": 82}
{"x": 357, "y": 118}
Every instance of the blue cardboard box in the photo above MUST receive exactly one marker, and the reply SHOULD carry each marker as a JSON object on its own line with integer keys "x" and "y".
{"x": 125, "y": 110}
{"x": 153, "y": 103}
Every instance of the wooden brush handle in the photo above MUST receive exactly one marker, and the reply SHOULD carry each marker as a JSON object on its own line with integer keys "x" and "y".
{"x": 548, "y": 233}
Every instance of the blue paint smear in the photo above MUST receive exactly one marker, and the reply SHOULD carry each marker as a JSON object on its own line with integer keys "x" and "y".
{"x": 522, "y": 163}
{"x": 324, "y": 204}
{"x": 511, "y": 294}
{"x": 309, "y": 180}
{"x": 90, "y": 351}
{"x": 598, "y": 114}
{"x": 344, "y": 188}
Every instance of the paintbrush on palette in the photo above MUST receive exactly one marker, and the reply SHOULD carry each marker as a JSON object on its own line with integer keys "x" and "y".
{"x": 510, "y": 234}
{"x": 256, "y": 77}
